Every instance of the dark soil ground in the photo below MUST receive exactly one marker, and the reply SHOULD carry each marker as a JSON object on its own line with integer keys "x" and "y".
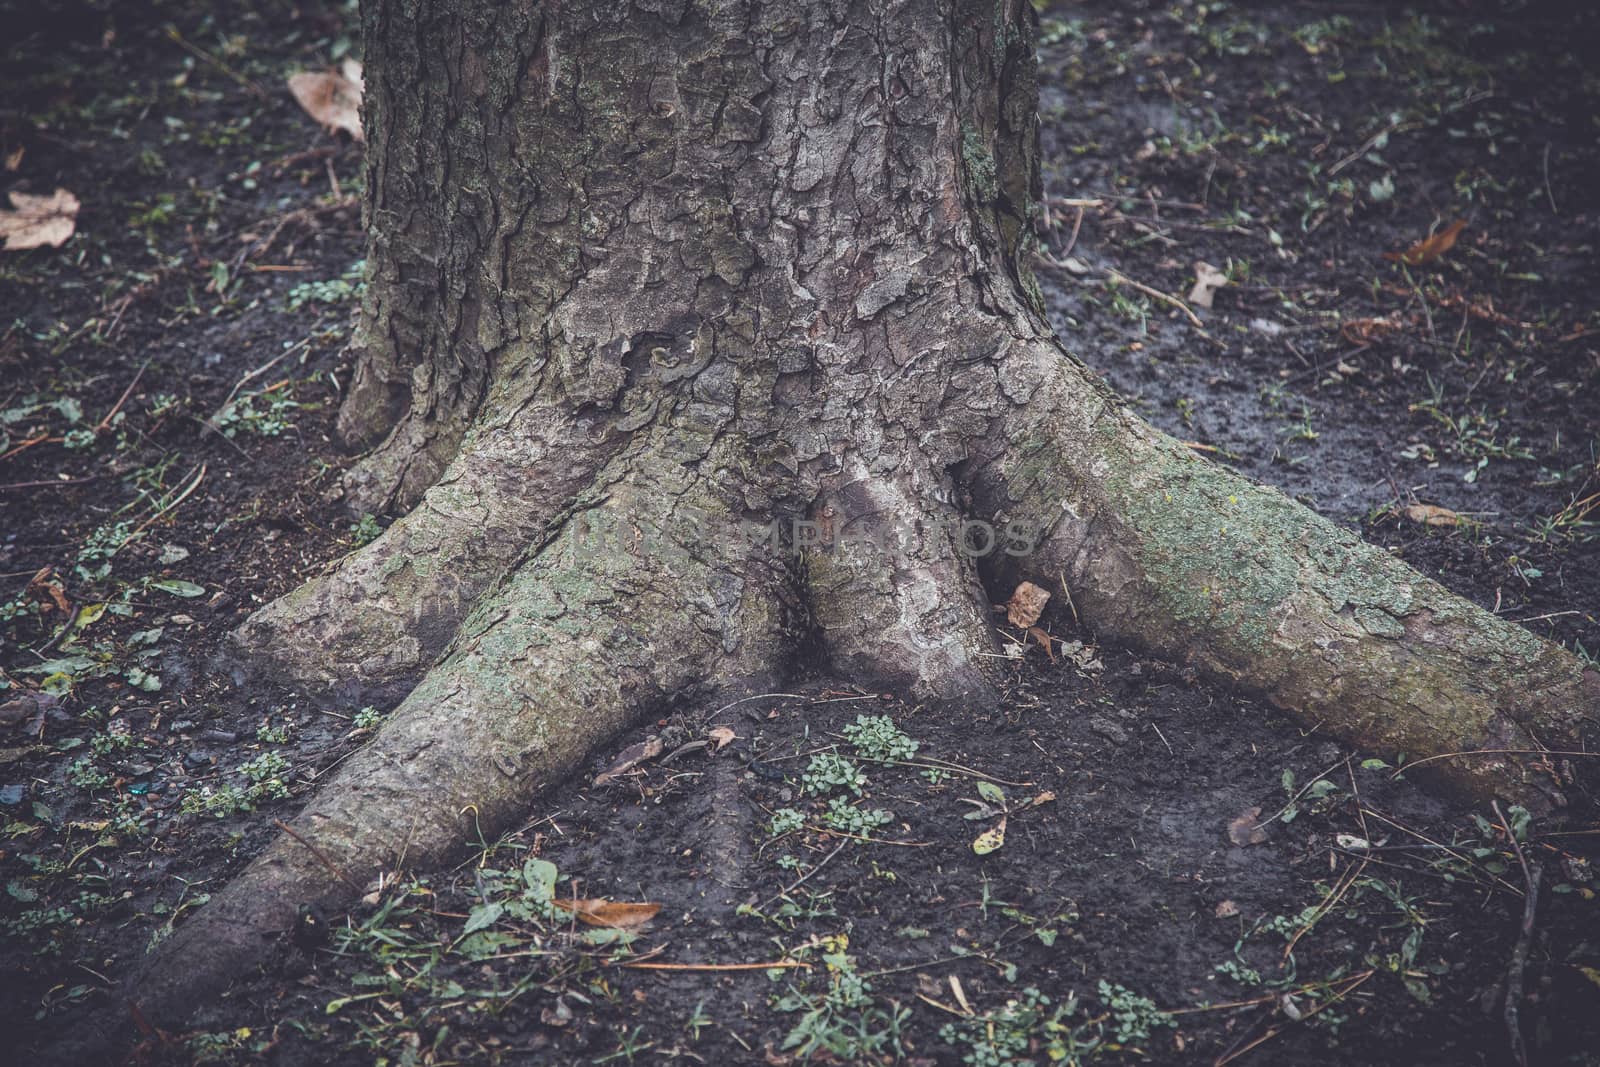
{"x": 168, "y": 381}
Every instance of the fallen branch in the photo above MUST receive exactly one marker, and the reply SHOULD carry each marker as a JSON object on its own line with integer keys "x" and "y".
{"x": 211, "y": 423}
{"x": 166, "y": 509}
{"x": 1454, "y": 854}
{"x": 200, "y": 53}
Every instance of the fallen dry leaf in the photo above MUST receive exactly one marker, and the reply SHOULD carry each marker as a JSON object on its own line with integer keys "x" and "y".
{"x": 990, "y": 839}
{"x": 38, "y": 220}
{"x": 1364, "y": 331}
{"x": 332, "y": 97}
{"x": 1207, "y": 280}
{"x": 629, "y": 758}
{"x": 25, "y": 706}
{"x": 618, "y": 914}
{"x": 1482, "y": 308}
{"x": 1243, "y": 830}
{"x": 1431, "y": 515}
{"x": 960, "y": 994}
{"x": 1429, "y": 248}
{"x": 45, "y": 588}
{"x": 1026, "y": 605}
{"x": 721, "y": 736}
{"x": 1044, "y": 639}
{"x": 14, "y": 159}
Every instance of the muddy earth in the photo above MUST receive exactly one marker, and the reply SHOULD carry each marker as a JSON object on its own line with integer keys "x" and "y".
{"x": 1123, "y": 864}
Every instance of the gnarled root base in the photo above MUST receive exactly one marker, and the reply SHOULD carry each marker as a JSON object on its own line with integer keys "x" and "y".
{"x": 572, "y": 645}
{"x": 649, "y": 588}
{"x": 663, "y": 291}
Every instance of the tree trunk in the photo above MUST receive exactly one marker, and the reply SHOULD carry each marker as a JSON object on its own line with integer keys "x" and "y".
{"x": 655, "y": 293}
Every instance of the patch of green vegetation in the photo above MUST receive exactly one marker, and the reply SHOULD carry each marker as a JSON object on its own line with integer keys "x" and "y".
{"x": 227, "y": 1046}
{"x": 399, "y": 956}
{"x": 33, "y": 920}
{"x": 1134, "y": 308}
{"x": 365, "y": 530}
{"x": 785, "y": 821}
{"x": 1476, "y": 434}
{"x": 842, "y": 1020}
{"x": 876, "y": 737}
{"x": 847, "y": 818}
{"x": 269, "y": 734}
{"x": 88, "y": 775}
{"x": 1132, "y": 1016}
{"x": 828, "y": 771}
{"x": 1026, "y": 1027}
{"x": 332, "y": 291}
{"x": 407, "y": 957}
{"x": 153, "y": 214}
{"x": 1322, "y": 34}
{"x": 263, "y": 414}
{"x": 1054, "y": 29}
{"x": 1238, "y": 972}
{"x": 107, "y": 742}
{"x": 1046, "y": 928}
{"x": 264, "y": 781}
{"x": 1318, "y": 796}
{"x": 94, "y": 555}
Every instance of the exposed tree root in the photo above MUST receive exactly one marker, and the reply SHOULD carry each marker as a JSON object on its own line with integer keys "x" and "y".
{"x": 1183, "y": 556}
{"x": 575, "y": 644}
{"x": 725, "y": 835}
{"x": 380, "y": 617}
{"x": 904, "y": 606}
{"x": 647, "y": 590}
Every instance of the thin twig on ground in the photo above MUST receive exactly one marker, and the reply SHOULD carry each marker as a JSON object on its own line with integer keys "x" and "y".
{"x": 777, "y": 965}
{"x": 1519, "y": 956}
{"x": 105, "y": 424}
{"x": 798, "y": 882}
{"x": 318, "y": 853}
{"x": 1157, "y": 294}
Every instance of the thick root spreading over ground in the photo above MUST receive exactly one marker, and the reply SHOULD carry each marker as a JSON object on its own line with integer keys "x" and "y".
{"x": 575, "y": 643}
{"x": 385, "y": 613}
{"x": 1177, "y": 554}
{"x": 647, "y": 587}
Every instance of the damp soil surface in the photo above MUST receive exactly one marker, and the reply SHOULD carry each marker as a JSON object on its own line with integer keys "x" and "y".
{"x": 1124, "y": 863}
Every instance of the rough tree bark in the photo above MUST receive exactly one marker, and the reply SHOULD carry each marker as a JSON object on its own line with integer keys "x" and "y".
{"x": 644, "y": 279}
